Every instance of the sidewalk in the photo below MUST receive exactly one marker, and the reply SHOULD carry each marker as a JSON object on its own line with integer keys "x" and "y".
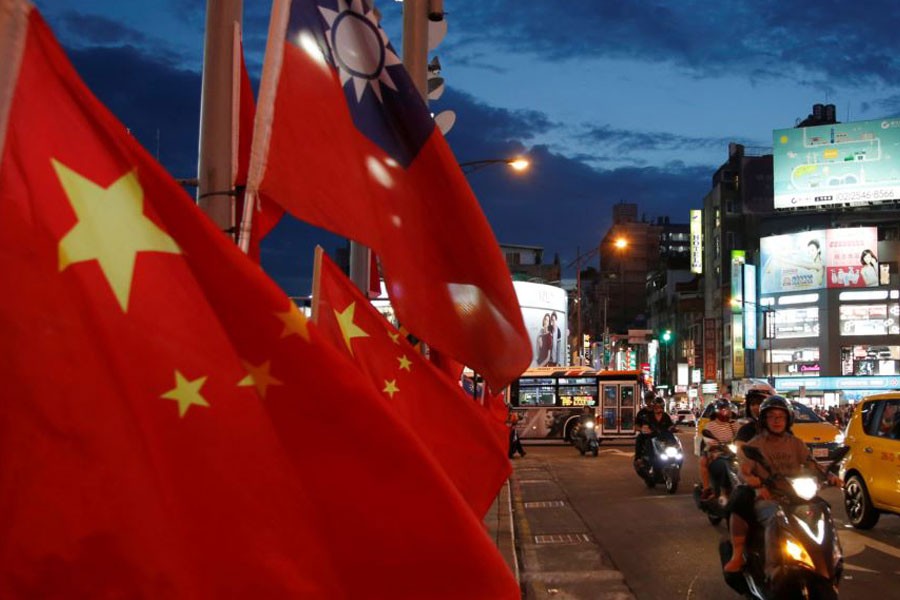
{"x": 547, "y": 545}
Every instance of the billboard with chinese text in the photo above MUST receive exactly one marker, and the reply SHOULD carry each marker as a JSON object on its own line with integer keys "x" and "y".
{"x": 844, "y": 163}
{"x": 812, "y": 260}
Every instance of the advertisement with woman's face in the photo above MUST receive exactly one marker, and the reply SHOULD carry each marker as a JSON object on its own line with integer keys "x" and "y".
{"x": 544, "y": 310}
{"x": 811, "y": 260}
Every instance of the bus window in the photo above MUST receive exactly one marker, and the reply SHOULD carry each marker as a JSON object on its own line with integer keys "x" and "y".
{"x": 577, "y": 395}
{"x": 537, "y": 392}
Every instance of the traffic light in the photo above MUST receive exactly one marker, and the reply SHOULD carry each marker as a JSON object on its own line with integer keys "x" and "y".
{"x": 666, "y": 336}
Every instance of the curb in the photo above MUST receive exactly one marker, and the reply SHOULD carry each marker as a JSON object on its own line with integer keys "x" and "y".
{"x": 556, "y": 555}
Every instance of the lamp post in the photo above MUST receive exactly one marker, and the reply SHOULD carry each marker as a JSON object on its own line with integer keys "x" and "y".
{"x": 518, "y": 164}
{"x": 769, "y": 319}
{"x": 621, "y": 244}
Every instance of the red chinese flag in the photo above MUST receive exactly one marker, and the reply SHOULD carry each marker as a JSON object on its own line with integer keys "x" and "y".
{"x": 450, "y": 424}
{"x": 344, "y": 141}
{"x": 171, "y": 426}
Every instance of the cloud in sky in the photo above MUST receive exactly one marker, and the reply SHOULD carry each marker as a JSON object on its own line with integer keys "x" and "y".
{"x": 612, "y": 101}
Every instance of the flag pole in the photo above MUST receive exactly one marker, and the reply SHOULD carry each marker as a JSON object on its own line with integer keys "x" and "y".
{"x": 13, "y": 26}
{"x": 218, "y": 114}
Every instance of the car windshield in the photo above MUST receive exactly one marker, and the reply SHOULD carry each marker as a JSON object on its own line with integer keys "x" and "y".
{"x": 804, "y": 414}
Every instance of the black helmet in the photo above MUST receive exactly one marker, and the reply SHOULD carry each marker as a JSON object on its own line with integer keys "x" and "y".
{"x": 649, "y": 397}
{"x": 723, "y": 404}
{"x": 755, "y": 395}
{"x": 775, "y": 401}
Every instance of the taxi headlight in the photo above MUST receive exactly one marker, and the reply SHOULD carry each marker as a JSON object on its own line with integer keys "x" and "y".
{"x": 805, "y": 487}
{"x": 839, "y": 438}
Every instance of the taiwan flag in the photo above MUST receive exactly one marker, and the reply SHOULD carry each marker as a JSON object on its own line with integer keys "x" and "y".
{"x": 171, "y": 425}
{"x": 344, "y": 141}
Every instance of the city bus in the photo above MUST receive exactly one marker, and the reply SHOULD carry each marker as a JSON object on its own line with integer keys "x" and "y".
{"x": 549, "y": 400}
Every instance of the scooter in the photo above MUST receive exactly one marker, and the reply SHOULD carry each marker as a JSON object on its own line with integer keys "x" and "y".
{"x": 585, "y": 438}
{"x": 715, "y": 507}
{"x": 663, "y": 465}
{"x": 810, "y": 561}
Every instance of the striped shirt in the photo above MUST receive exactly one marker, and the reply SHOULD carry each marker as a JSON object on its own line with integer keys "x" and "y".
{"x": 724, "y": 432}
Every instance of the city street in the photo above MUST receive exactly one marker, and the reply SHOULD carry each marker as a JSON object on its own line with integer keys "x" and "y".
{"x": 580, "y": 518}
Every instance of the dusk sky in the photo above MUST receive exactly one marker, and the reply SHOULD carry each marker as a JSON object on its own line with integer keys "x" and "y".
{"x": 611, "y": 101}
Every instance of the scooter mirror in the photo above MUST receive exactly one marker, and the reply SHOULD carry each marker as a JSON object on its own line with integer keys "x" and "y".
{"x": 708, "y": 434}
{"x": 837, "y": 457}
{"x": 753, "y": 454}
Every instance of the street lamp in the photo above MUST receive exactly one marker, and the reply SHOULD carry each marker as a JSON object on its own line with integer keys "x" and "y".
{"x": 621, "y": 244}
{"x": 518, "y": 164}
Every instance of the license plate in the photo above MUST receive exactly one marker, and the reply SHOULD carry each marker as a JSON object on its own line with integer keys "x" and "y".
{"x": 821, "y": 452}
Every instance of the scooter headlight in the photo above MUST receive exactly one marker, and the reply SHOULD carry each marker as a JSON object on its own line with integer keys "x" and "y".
{"x": 672, "y": 452}
{"x": 797, "y": 552}
{"x": 733, "y": 448}
{"x": 805, "y": 487}
{"x": 589, "y": 425}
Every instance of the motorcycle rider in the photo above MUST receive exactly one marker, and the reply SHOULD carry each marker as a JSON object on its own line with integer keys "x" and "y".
{"x": 752, "y": 401}
{"x": 657, "y": 421}
{"x": 586, "y": 416}
{"x": 642, "y": 416}
{"x": 786, "y": 454}
{"x": 724, "y": 430}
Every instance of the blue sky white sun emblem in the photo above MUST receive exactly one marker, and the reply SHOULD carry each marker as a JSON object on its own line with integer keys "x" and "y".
{"x": 360, "y": 47}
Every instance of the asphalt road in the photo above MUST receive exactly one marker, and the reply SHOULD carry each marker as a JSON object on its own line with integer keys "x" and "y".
{"x": 662, "y": 544}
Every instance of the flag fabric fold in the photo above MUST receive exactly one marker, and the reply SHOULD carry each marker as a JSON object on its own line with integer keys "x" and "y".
{"x": 345, "y": 142}
{"x": 456, "y": 430}
{"x": 171, "y": 425}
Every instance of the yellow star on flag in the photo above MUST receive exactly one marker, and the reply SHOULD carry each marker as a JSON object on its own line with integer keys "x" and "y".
{"x": 295, "y": 322}
{"x": 258, "y": 377}
{"x": 186, "y": 393}
{"x": 111, "y": 228}
{"x": 390, "y": 387}
{"x": 349, "y": 329}
{"x": 395, "y": 337}
{"x": 404, "y": 362}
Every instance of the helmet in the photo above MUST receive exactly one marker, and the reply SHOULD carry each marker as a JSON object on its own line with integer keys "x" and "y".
{"x": 723, "y": 404}
{"x": 649, "y": 397}
{"x": 755, "y": 395}
{"x": 773, "y": 402}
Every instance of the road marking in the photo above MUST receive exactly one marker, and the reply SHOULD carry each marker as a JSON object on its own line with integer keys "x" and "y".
{"x": 663, "y": 497}
{"x": 853, "y": 543}
{"x": 562, "y": 538}
{"x": 546, "y": 504}
{"x": 617, "y": 452}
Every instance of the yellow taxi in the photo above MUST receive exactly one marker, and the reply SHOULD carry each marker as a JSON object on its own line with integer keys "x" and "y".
{"x": 871, "y": 471}
{"x": 822, "y": 437}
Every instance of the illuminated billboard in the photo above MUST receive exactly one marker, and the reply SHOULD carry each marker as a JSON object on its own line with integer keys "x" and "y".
{"x": 845, "y": 163}
{"x": 812, "y": 260}
{"x": 696, "y": 241}
{"x": 545, "y": 312}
